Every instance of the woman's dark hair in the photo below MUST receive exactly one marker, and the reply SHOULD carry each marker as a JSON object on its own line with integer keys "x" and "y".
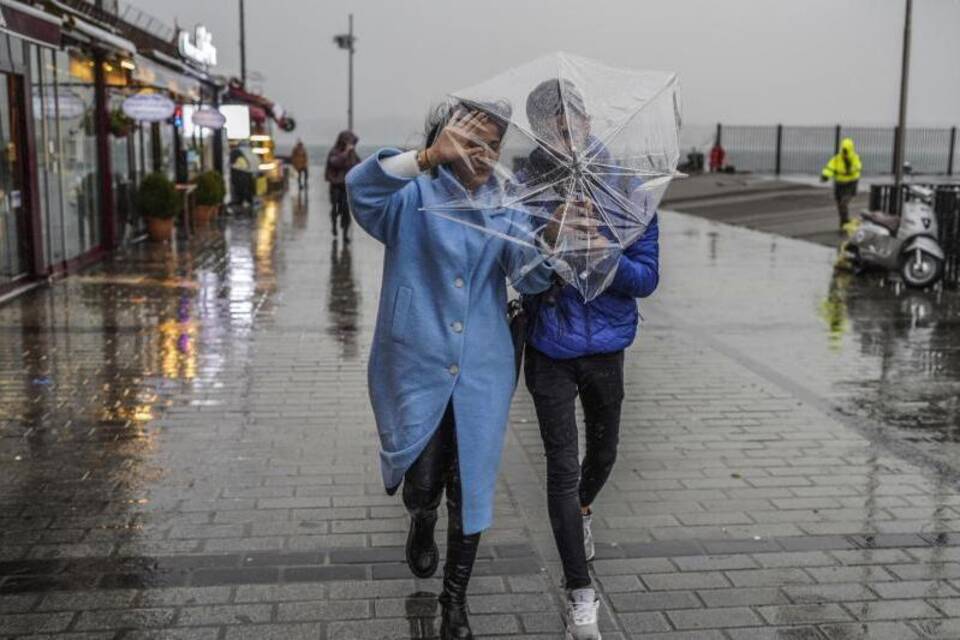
{"x": 499, "y": 112}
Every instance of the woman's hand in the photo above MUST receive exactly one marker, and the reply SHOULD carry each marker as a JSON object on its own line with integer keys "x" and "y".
{"x": 459, "y": 139}
{"x": 569, "y": 215}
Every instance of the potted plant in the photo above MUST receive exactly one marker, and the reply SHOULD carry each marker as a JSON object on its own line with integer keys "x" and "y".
{"x": 157, "y": 199}
{"x": 120, "y": 123}
{"x": 209, "y": 194}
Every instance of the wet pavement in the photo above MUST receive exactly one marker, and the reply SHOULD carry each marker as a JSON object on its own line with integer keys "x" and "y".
{"x": 795, "y": 207}
{"x": 187, "y": 451}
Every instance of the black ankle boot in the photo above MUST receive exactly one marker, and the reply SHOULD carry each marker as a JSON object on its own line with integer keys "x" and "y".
{"x": 422, "y": 553}
{"x": 454, "y": 625}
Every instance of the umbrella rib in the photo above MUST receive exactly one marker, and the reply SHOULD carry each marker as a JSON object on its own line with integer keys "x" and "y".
{"x": 603, "y": 213}
{"x": 620, "y": 126}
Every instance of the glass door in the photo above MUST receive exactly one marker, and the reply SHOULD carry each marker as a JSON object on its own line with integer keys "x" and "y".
{"x": 14, "y": 228}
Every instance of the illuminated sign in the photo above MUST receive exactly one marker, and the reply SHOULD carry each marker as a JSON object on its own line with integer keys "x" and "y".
{"x": 148, "y": 107}
{"x": 200, "y": 49}
{"x": 237, "y": 120}
{"x": 209, "y": 118}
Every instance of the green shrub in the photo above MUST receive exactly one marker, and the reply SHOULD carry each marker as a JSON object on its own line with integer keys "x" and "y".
{"x": 157, "y": 197}
{"x": 210, "y": 188}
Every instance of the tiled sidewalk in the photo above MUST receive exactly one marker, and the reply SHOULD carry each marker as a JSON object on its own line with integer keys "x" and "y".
{"x": 191, "y": 454}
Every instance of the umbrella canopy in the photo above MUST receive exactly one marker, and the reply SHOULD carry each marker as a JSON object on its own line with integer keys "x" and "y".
{"x": 585, "y": 150}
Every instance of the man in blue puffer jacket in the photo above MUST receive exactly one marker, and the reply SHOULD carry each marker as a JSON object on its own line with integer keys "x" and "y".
{"x": 576, "y": 349}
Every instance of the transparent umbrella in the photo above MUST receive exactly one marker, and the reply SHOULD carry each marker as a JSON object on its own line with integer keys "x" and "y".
{"x": 583, "y": 151}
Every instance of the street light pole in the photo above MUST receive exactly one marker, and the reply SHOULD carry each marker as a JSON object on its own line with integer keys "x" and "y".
{"x": 346, "y": 41}
{"x": 243, "y": 48}
{"x": 902, "y": 119}
{"x": 350, "y": 79}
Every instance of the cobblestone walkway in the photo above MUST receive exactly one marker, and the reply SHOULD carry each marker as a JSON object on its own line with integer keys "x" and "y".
{"x": 187, "y": 451}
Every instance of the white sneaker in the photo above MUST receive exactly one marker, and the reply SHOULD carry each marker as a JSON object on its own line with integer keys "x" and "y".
{"x": 588, "y": 546}
{"x": 581, "y": 615}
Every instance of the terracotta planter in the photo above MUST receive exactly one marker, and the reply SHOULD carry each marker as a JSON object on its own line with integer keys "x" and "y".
{"x": 204, "y": 214}
{"x": 160, "y": 229}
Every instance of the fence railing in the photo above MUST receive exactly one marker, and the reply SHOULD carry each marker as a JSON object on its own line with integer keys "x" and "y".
{"x": 883, "y": 197}
{"x": 782, "y": 149}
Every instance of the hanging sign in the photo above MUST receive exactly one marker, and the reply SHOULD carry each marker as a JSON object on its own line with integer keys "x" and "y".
{"x": 200, "y": 48}
{"x": 209, "y": 118}
{"x": 148, "y": 107}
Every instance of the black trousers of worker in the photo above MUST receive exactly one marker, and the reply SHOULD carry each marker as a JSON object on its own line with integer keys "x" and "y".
{"x": 843, "y": 193}
{"x": 339, "y": 209}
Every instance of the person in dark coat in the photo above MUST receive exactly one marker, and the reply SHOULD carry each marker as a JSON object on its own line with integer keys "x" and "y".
{"x": 342, "y": 157}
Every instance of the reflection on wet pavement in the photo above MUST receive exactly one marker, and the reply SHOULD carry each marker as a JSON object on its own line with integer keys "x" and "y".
{"x": 878, "y": 351}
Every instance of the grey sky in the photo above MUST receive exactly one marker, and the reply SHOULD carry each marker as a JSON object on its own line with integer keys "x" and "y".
{"x": 740, "y": 61}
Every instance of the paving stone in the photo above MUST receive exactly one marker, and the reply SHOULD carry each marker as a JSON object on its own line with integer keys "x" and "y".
{"x": 125, "y": 619}
{"x": 677, "y": 581}
{"x": 301, "y": 631}
{"x": 870, "y": 631}
{"x": 658, "y": 601}
{"x": 768, "y": 577}
{"x": 225, "y": 614}
{"x": 326, "y": 610}
{"x": 745, "y": 596}
{"x": 23, "y": 623}
{"x": 803, "y": 613}
{"x": 714, "y": 618}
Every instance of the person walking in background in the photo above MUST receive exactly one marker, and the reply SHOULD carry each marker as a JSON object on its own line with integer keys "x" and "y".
{"x": 300, "y": 162}
{"x": 844, "y": 168}
{"x": 342, "y": 158}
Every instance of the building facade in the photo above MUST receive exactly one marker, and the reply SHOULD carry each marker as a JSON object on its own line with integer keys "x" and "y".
{"x": 70, "y": 156}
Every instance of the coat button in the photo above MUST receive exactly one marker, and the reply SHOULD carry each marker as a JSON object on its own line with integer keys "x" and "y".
{"x": 453, "y": 369}
{"x": 457, "y": 327}
{"x": 458, "y": 283}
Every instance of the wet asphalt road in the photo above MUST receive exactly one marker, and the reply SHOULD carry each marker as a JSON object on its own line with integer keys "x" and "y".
{"x": 186, "y": 451}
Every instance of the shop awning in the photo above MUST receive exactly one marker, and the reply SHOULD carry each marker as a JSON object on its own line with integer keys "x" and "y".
{"x": 155, "y": 75}
{"x": 32, "y": 24}
{"x": 101, "y": 36}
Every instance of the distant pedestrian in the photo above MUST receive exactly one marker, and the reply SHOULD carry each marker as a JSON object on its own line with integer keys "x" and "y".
{"x": 718, "y": 156}
{"x": 300, "y": 162}
{"x": 844, "y": 168}
{"x": 342, "y": 158}
{"x": 442, "y": 368}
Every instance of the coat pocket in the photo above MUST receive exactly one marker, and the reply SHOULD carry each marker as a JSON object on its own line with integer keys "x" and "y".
{"x": 401, "y": 311}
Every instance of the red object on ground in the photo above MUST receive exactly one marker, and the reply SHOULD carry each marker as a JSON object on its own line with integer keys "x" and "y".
{"x": 717, "y": 156}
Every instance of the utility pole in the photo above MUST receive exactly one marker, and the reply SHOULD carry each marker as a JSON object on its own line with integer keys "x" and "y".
{"x": 346, "y": 41}
{"x": 902, "y": 119}
{"x": 243, "y": 48}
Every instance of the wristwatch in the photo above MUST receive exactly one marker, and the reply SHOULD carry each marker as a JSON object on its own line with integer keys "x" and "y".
{"x": 423, "y": 160}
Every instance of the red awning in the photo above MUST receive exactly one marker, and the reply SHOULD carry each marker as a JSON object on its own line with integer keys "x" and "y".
{"x": 30, "y": 23}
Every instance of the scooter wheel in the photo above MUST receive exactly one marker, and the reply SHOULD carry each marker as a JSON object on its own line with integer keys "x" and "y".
{"x": 920, "y": 269}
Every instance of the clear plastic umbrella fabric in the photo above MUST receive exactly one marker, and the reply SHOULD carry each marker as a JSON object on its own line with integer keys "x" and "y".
{"x": 577, "y": 153}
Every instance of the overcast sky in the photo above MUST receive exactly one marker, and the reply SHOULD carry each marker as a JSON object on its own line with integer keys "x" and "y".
{"x": 739, "y": 61}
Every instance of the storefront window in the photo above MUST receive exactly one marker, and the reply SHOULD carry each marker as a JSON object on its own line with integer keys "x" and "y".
{"x": 48, "y": 101}
{"x": 78, "y": 153}
{"x": 123, "y": 161}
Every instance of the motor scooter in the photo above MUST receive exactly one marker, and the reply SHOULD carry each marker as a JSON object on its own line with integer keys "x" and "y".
{"x": 907, "y": 243}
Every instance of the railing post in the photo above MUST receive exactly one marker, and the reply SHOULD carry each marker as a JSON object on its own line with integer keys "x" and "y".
{"x": 836, "y": 140}
{"x": 896, "y": 138}
{"x": 719, "y": 133}
{"x": 953, "y": 150}
{"x": 779, "y": 146}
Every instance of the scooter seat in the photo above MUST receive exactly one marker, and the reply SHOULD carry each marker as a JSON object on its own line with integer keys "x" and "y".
{"x": 891, "y": 222}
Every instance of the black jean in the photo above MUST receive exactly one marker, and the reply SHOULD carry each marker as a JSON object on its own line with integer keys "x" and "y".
{"x": 339, "y": 209}
{"x": 438, "y": 468}
{"x": 843, "y": 193}
{"x": 302, "y": 178}
{"x": 571, "y": 485}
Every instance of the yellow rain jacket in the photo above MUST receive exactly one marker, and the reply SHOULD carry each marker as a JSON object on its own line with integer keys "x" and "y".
{"x": 844, "y": 167}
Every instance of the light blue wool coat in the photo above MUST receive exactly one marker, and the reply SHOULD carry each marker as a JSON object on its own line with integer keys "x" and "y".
{"x": 442, "y": 332}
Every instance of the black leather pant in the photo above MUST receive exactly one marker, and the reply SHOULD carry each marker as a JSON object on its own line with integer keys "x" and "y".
{"x": 555, "y": 386}
{"x": 423, "y": 485}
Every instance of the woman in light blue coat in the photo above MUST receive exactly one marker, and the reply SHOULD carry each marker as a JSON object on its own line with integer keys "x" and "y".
{"x": 441, "y": 371}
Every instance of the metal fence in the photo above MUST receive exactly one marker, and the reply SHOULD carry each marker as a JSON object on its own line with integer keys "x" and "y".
{"x": 947, "y": 209}
{"x": 781, "y": 149}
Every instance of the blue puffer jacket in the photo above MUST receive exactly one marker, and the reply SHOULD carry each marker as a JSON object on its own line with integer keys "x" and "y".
{"x": 568, "y": 327}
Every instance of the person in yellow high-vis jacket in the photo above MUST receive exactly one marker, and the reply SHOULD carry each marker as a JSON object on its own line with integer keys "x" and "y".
{"x": 844, "y": 168}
